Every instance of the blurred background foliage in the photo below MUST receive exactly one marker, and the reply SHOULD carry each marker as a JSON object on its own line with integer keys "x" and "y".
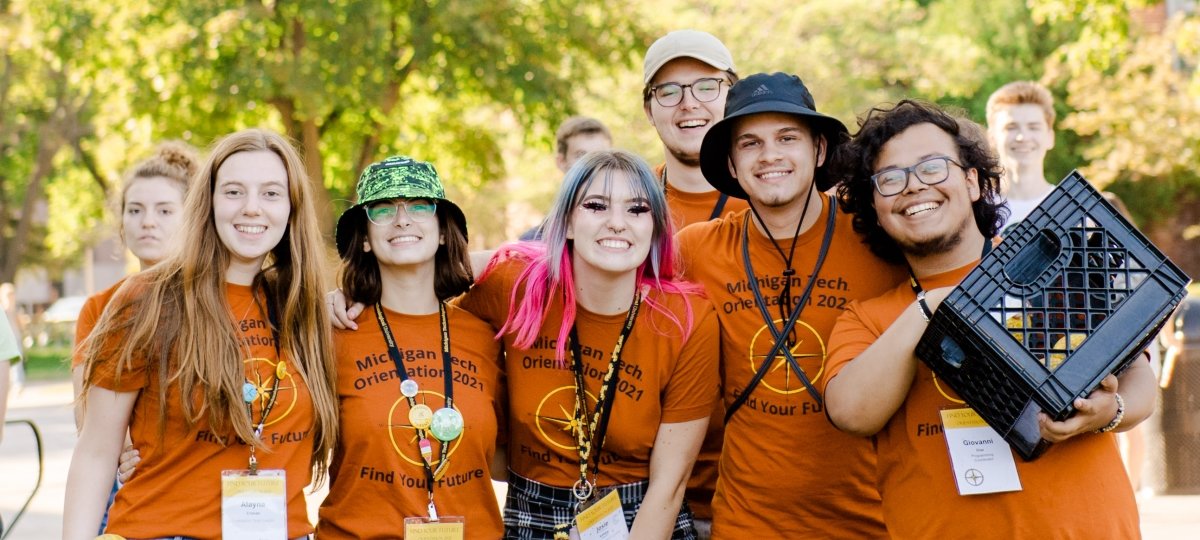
{"x": 478, "y": 87}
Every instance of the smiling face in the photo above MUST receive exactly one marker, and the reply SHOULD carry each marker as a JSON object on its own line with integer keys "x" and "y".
{"x": 251, "y": 208}
{"x": 611, "y": 227}
{"x": 774, "y": 157}
{"x": 150, "y": 217}
{"x": 926, "y": 220}
{"x": 1021, "y": 136}
{"x": 405, "y": 242}
{"x": 682, "y": 127}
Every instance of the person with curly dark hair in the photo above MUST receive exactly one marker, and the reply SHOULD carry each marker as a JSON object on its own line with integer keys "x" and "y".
{"x": 856, "y": 166}
{"x": 924, "y": 189}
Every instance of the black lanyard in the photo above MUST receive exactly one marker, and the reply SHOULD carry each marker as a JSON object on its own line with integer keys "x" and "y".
{"x": 717, "y": 208}
{"x": 448, "y": 380}
{"x": 277, "y": 375}
{"x": 780, "y": 335}
{"x": 589, "y": 437}
{"x": 920, "y": 292}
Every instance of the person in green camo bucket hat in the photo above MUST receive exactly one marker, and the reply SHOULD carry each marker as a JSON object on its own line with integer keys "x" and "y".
{"x": 393, "y": 178}
{"x": 420, "y": 378}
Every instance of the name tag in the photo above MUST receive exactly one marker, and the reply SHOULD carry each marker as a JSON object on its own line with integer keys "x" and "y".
{"x": 602, "y": 520}
{"x": 254, "y": 507}
{"x": 445, "y": 528}
{"x": 981, "y": 459}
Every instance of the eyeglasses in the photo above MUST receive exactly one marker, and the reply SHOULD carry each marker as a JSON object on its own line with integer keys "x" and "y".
{"x": 386, "y": 212}
{"x": 671, "y": 94}
{"x": 892, "y": 182}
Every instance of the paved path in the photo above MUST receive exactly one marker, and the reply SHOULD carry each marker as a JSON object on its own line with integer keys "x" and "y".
{"x": 48, "y": 405}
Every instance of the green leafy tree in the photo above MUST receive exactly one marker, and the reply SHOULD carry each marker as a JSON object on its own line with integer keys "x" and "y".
{"x": 352, "y": 81}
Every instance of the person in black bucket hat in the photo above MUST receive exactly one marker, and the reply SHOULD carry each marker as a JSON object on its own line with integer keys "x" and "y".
{"x": 781, "y": 273}
{"x": 763, "y": 93}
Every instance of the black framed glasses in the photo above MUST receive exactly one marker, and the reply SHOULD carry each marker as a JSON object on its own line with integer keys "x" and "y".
{"x": 932, "y": 171}
{"x": 704, "y": 90}
{"x": 385, "y": 213}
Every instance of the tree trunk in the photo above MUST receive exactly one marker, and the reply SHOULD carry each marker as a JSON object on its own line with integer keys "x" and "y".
{"x": 48, "y": 145}
{"x": 310, "y": 139}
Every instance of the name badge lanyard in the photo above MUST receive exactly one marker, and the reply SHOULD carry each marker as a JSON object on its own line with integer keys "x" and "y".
{"x": 589, "y": 436}
{"x": 446, "y": 424}
{"x": 250, "y": 390}
{"x": 717, "y": 208}
{"x": 780, "y": 335}
{"x": 920, "y": 292}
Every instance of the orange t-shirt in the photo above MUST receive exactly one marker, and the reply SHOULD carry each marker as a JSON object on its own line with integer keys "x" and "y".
{"x": 88, "y": 317}
{"x": 176, "y": 489}
{"x": 695, "y": 207}
{"x": 665, "y": 379}
{"x": 785, "y": 472}
{"x": 1077, "y": 489}
{"x": 687, "y": 208}
{"x": 376, "y": 477}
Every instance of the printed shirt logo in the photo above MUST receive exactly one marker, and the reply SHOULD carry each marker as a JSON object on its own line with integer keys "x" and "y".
{"x": 555, "y": 418}
{"x": 809, "y": 352}
{"x": 262, "y": 373}
{"x": 404, "y": 436}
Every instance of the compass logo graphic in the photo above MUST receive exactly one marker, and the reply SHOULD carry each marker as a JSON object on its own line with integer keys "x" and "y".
{"x": 403, "y": 435}
{"x": 556, "y": 417}
{"x": 808, "y": 349}
{"x": 262, "y": 375}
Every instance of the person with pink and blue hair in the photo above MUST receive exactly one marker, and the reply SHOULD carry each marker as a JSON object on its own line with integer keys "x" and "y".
{"x": 611, "y": 360}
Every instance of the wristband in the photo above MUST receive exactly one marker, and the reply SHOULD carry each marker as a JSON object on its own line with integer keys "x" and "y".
{"x": 1116, "y": 421}
{"x": 926, "y": 313}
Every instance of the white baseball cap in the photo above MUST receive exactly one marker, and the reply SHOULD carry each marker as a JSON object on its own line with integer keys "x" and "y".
{"x": 702, "y": 46}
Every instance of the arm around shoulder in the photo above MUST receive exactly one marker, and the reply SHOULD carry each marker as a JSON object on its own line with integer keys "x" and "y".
{"x": 93, "y": 465}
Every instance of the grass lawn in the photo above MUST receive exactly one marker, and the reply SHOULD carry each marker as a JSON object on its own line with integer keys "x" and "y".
{"x": 48, "y": 363}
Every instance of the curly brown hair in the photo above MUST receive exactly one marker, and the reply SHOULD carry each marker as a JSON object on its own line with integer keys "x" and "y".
{"x": 854, "y": 163}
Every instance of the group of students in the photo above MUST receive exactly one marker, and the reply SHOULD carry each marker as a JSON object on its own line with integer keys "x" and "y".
{"x": 586, "y": 368}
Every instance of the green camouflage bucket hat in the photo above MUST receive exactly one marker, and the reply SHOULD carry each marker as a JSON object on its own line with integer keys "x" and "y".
{"x": 395, "y": 177}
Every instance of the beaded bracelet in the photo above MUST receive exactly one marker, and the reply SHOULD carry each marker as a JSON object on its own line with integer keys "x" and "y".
{"x": 1116, "y": 421}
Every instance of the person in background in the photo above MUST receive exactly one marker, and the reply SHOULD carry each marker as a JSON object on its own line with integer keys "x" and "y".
{"x": 10, "y": 352}
{"x": 925, "y": 194}
{"x": 151, "y": 209}
{"x": 218, "y": 362}
{"x": 404, "y": 255}
{"x": 1020, "y": 126}
{"x": 575, "y": 137}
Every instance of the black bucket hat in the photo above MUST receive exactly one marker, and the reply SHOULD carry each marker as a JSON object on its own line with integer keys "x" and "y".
{"x": 762, "y": 93}
{"x": 395, "y": 177}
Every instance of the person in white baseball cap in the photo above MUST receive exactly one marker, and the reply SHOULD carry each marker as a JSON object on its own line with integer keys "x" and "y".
{"x": 687, "y": 74}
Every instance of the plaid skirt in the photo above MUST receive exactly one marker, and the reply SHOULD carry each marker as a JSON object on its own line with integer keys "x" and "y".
{"x": 532, "y": 509}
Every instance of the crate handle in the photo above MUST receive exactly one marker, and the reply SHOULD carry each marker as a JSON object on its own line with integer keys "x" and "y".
{"x": 1034, "y": 259}
{"x": 952, "y": 354}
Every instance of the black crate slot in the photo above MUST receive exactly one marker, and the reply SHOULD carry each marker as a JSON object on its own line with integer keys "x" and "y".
{"x": 1073, "y": 294}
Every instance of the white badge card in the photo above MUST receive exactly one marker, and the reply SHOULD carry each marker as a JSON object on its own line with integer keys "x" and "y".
{"x": 445, "y": 528}
{"x": 603, "y": 519}
{"x": 253, "y": 507}
{"x": 981, "y": 458}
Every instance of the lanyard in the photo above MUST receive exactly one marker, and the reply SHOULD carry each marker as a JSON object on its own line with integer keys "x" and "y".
{"x": 717, "y": 208}
{"x": 589, "y": 436}
{"x": 921, "y": 292}
{"x": 446, "y": 424}
{"x": 250, "y": 390}
{"x": 780, "y": 335}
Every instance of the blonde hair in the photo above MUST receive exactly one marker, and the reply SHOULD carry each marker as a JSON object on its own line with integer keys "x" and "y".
{"x": 174, "y": 160}
{"x": 1021, "y": 93}
{"x": 175, "y": 316}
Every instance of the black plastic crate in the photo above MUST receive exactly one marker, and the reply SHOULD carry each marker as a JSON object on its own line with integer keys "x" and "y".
{"x": 1072, "y": 294}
